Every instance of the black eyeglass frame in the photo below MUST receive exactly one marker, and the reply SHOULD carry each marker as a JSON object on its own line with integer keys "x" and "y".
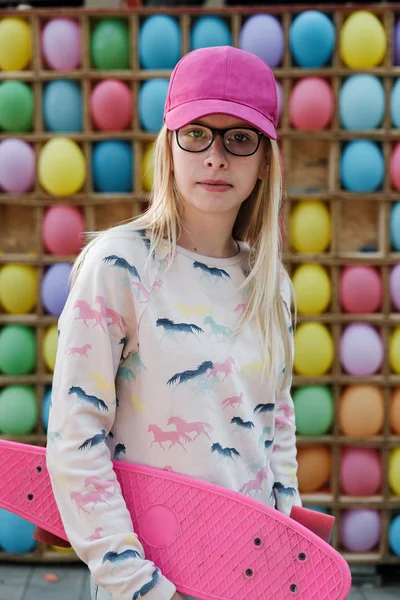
{"x": 222, "y": 133}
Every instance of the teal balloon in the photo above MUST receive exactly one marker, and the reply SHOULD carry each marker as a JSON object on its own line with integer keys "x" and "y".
{"x": 152, "y": 96}
{"x": 312, "y": 39}
{"x": 63, "y": 107}
{"x": 109, "y": 45}
{"x": 18, "y": 410}
{"x": 395, "y": 104}
{"x": 362, "y": 102}
{"x": 159, "y": 42}
{"x": 16, "y": 534}
{"x": 362, "y": 166}
{"x": 313, "y": 406}
{"x": 395, "y": 227}
{"x": 16, "y": 107}
{"x": 17, "y": 350}
{"x": 210, "y": 31}
{"x": 112, "y": 171}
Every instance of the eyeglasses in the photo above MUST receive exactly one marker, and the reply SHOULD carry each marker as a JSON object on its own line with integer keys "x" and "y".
{"x": 240, "y": 141}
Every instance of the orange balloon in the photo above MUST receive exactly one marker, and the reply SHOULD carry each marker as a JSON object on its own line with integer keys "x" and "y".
{"x": 395, "y": 411}
{"x": 361, "y": 410}
{"x": 315, "y": 468}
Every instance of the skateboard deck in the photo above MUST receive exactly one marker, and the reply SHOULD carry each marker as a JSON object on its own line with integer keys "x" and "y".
{"x": 213, "y": 543}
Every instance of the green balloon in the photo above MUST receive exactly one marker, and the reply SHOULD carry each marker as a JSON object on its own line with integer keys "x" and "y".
{"x": 313, "y": 406}
{"x": 109, "y": 45}
{"x": 18, "y": 409}
{"x": 17, "y": 350}
{"x": 16, "y": 107}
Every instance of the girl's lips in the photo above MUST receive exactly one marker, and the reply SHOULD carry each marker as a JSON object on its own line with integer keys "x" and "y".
{"x": 215, "y": 187}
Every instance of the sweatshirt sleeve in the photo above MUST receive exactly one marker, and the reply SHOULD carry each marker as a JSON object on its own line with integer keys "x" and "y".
{"x": 284, "y": 462}
{"x": 97, "y": 325}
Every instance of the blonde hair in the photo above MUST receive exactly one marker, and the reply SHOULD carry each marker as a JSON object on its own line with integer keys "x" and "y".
{"x": 257, "y": 224}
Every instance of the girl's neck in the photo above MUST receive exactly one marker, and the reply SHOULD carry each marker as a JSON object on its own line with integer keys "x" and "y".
{"x": 214, "y": 247}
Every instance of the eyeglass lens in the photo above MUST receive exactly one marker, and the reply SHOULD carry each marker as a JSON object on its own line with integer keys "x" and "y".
{"x": 240, "y": 141}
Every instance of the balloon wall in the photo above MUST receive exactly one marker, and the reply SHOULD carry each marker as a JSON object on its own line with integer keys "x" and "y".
{"x": 81, "y": 102}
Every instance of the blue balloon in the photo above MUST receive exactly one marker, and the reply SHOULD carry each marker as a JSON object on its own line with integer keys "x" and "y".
{"x": 46, "y": 402}
{"x": 159, "y": 42}
{"x": 394, "y": 535}
{"x": 210, "y": 31}
{"x": 63, "y": 106}
{"x": 112, "y": 167}
{"x": 362, "y": 166}
{"x": 151, "y": 100}
{"x": 395, "y": 226}
{"x": 55, "y": 287}
{"x": 362, "y": 102}
{"x": 395, "y": 104}
{"x": 16, "y": 533}
{"x": 312, "y": 39}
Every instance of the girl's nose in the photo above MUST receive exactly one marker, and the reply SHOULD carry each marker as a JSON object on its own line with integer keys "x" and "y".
{"x": 216, "y": 155}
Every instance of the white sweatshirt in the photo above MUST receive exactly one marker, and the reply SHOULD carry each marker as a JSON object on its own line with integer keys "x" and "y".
{"x": 190, "y": 398}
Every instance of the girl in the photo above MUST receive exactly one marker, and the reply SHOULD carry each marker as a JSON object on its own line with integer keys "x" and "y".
{"x": 175, "y": 344}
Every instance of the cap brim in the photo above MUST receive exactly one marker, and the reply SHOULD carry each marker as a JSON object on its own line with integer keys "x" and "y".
{"x": 186, "y": 113}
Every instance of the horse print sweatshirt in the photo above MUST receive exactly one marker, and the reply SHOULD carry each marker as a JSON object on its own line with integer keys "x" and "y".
{"x": 147, "y": 371}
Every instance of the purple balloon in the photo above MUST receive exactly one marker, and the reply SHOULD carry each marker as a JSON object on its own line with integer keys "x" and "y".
{"x": 361, "y": 349}
{"x": 263, "y": 35}
{"x": 17, "y": 166}
{"x": 395, "y": 286}
{"x": 396, "y": 43}
{"x": 360, "y": 529}
{"x": 61, "y": 44}
{"x": 55, "y": 288}
{"x": 279, "y": 93}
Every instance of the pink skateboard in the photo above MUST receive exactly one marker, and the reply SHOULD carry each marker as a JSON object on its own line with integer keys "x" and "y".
{"x": 214, "y": 544}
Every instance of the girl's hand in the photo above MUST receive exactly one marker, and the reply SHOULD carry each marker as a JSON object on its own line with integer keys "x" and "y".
{"x": 177, "y": 596}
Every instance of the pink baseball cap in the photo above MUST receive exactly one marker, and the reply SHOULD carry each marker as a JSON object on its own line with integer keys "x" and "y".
{"x": 222, "y": 79}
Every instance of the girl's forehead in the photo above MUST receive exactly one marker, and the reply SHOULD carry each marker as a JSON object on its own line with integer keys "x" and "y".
{"x": 222, "y": 121}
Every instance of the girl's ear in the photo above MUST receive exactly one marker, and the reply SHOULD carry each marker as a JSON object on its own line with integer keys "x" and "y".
{"x": 264, "y": 168}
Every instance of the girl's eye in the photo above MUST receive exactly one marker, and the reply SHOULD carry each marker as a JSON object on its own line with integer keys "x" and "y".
{"x": 240, "y": 137}
{"x": 196, "y": 133}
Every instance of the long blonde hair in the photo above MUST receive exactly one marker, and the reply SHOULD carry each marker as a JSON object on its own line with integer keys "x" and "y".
{"x": 257, "y": 224}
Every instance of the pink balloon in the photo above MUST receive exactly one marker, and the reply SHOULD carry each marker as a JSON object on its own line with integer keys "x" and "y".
{"x": 360, "y": 529}
{"x": 17, "y": 166}
{"x": 311, "y": 104}
{"x": 395, "y": 286}
{"x": 395, "y": 167}
{"x": 111, "y": 105}
{"x": 360, "y": 289}
{"x": 62, "y": 44}
{"x": 63, "y": 228}
{"x": 361, "y": 349}
{"x": 360, "y": 471}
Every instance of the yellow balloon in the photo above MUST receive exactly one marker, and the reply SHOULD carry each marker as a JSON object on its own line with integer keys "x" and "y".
{"x": 394, "y": 350}
{"x": 15, "y": 44}
{"x": 148, "y": 168}
{"x": 394, "y": 471}
{"x": 313, "y": 289}
{"x": 362, "y": 40}
{"x": 50, "y": 342}
{"x": 63, "y": 550}
{"x": 18, "y": 288}
{"x": 313, "y": 349}
{"x": 62, "y": 167}
{"x": 310, "y": 226}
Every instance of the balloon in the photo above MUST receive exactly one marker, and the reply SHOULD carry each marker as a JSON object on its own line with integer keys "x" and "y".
{"x": 46, "y": 409}
{"x": 361, "y": 471}
{"x": 360, "y": 289}
{"x": 311, "y": 104}
{"x": 362, "y": 102}
{"x": 362, "y": 166}
{"x": 210, "y": 31}
{"x": 18, "y": 288}
{"x": 314, "y": 349}
{"x": 361, "y": 411}
{"x": 395, "y": 226}
{"x": 263, "y": 36}
{"x": 16, "y": 534}
{"x": 395, "y": 286}
{"x": 62, "y": 167}
{"x": 112, "y": 167}
{"x": 395, "y": 104}
{"x": 55, "y": 287}
{"x": 361, "y": 349}
{"x": 17, "y": 166}
{"x": 148, "y": 167}
{"x": 50, "y": 342}
{"x": 17, "y": 350}
{"x": 159, "y": 42}
{"x": 362, "y": 40}
{"x": 16, "y": 107}
{"x": 15, "y": 44}
{"x": 360, "y": 529}
{"x": 152, "y": 96}
{"x": 394, "y": 471}
{"x": 395, "y": 167}
{"x": 310, "y": 226}
{"x": 313, "y": 406}
{"x": 110, "y": 46}
{"x": 395, "y": 411}
{"x": 18, "y": 410}
{"x": 313, "y": 289}
{"x": 394, "y": 350}
{"x": 314, "y": 468}
{"x": 63, "y": 230}
{"x": 62, "y": 44}
{"x": 311, "y": 39}
{"x": 111, "y": 105}
{"x": 279, "y": 93}
{"x": 394, "y": 535}
{"x": 396, "y": 44}
{"x": 63, "y": 106}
